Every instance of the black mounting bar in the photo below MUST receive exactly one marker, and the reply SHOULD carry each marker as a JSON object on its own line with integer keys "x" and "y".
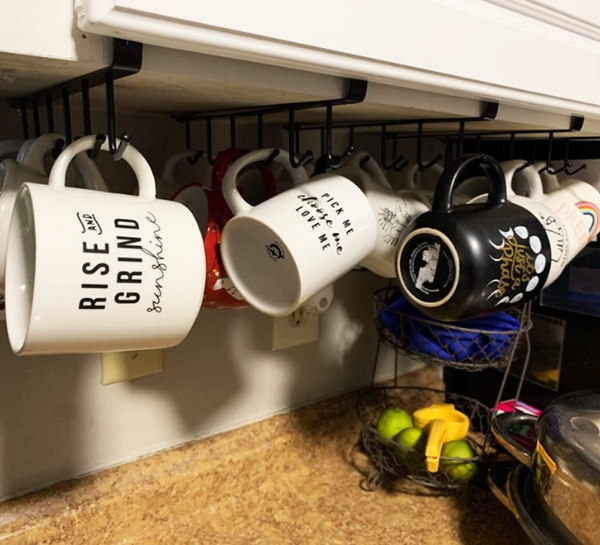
{"x": 487, "y": 142}
{"x": 489, "y": 113}
{"x": 126, "y": 61}
{"x": 575, "y": 125}
{"x": 356, "y": 93}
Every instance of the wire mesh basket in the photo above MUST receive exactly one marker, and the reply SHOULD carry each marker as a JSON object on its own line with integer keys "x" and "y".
{"x": 391, "y": 460}
{"x": 447, "y": 344}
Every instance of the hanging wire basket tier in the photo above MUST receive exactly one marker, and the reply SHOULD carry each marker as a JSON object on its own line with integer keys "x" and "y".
{"x": 392, "y": 461}
{"x": 446, "y": 344}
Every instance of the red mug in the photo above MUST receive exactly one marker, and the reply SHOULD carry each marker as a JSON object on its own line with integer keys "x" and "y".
{"x": 212, "y": 213}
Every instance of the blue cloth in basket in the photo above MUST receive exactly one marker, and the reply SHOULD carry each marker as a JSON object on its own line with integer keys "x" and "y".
{"x": 446, "y": 341}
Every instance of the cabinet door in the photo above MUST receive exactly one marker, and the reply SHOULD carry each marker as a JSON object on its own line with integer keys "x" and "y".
{"x": 467, "y": 47}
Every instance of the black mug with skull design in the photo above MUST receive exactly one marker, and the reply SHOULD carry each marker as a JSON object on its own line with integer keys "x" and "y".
{"x": 459, "y": 262}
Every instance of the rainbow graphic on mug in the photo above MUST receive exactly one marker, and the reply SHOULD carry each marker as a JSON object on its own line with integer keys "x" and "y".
{"x": 591, "y": 213}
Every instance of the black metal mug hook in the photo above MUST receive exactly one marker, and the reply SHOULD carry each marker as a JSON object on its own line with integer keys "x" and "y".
{"x": 568, "y": 164}
{"x": 100, "y": 139}
{"x": 188, "y": 144}
{"x": 209, "y": 155}
{"x": 58, "y": 147}
{"x": 274, "y": 154}
{"x": 125, "y": 141}
{"x": 308, "y": 156}
{"x": 399, "y": 162}
{"x": 548, "y": 168}
{"x": 426, "y": 166}
{"x": 334, "y": 161}
{"x": 530, "y": 161}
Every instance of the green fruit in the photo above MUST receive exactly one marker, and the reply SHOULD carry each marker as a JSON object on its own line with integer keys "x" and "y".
{"x": 456, "y": 470}
{"x": 392, "y": 421}
{"x": 414, "y": 439}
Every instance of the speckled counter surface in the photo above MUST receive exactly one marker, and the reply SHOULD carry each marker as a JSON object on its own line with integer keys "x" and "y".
{"x": 293, "y": 478}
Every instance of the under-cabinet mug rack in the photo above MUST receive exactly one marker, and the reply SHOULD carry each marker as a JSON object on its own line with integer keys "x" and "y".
{"x": 356, "y": 93}
{"x": 127, "y": 60}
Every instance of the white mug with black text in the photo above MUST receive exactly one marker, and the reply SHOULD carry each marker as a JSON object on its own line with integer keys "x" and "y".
{"x": 287, "y": 249}
{"x": 98, "y": 272}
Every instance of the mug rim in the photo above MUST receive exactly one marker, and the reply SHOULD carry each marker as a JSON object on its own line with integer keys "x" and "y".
{"x": 237, "y": 281}
{"x": 18, "y": 344}
{"x": 451, "y": 247}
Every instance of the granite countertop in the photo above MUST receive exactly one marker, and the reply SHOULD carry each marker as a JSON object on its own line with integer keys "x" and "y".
{"x": 291, "y": 479}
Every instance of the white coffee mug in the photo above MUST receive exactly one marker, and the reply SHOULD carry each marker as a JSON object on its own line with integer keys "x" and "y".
{"x": 577, "y": 204}
{"x": 586, "y": 198}
{"x": 393, "y": 210}
{"x": 564, "y": 214}
{"x": 285, "y": 250}
{"x": 98, "y": 272}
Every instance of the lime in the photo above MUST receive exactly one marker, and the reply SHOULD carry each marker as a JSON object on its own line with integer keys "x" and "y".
{"x": 415, "y": 439}
{"x": 392, "y": 421}
{"x": 455, "y": 469}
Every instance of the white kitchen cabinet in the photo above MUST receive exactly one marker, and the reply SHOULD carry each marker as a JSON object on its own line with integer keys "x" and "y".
{"x": 540, "y": 54}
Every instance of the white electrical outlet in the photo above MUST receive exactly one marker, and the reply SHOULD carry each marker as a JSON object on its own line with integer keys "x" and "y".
{"x": 121, "y": 366}
{"x": 300, "y": 327}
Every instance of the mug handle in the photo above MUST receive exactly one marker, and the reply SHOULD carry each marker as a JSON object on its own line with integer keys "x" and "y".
{"x": 435, "y": 440}
{"x": 442, "y": 199}
{"x": 371, "y": 167}
{"x": 549, "y": 181}
{"x": 92, "y": 179}
{"x": 139, "y": 165}
{"x": 500, "y": 428}
{"x": 431, "y": 184}
{"x": 321, "y": 301}
{"x": 534, "y": 180}
{"x": 168, "y": 173}
{"x": 232, "y": 196}
{"x": 408, "y": 177}
{"x": 225, "y": 158}
{"x": 32, "y": 153}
